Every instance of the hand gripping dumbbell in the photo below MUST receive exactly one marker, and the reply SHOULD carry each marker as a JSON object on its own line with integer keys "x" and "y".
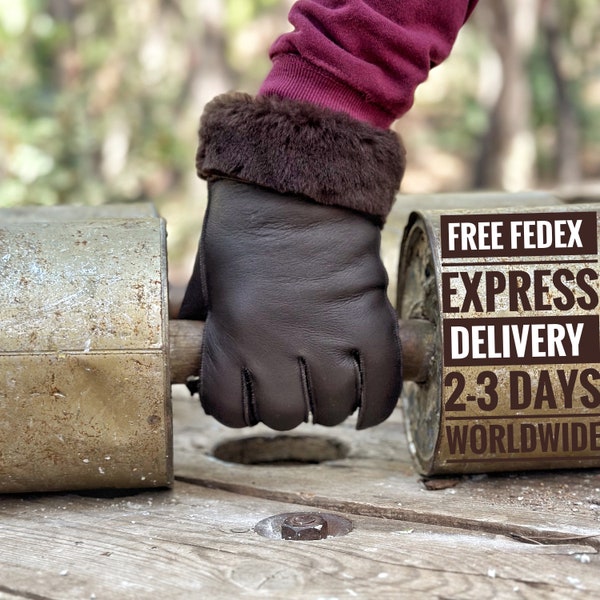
{"x": 88, "y": 353}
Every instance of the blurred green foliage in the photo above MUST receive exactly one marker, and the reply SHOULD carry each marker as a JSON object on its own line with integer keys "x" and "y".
{"x": 99, "y": 101}
{"x": 72, "y": 92}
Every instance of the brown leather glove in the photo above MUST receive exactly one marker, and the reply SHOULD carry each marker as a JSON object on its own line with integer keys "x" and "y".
{"x": 293, "y": 290}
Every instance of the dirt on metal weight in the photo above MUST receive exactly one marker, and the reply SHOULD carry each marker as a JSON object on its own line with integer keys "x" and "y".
{"x": 514, "y": 381}
{"x": 84, "y": 373}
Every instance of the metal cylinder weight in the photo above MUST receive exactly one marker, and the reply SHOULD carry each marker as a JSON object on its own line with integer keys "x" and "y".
{"x": 514, "y": 377}
{"x": 84, "y": 370}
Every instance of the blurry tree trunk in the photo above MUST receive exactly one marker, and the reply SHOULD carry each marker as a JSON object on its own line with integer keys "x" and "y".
{"x": 61, "y": 10}
{"x": 567, "y": 127}
{"x": 507, "y": 153}
{"x": 213, "y": 75}
{"x": 65, "y": 70}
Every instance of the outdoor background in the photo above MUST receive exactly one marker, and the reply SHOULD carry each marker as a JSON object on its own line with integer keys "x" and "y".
{"x": 99, "y": 101}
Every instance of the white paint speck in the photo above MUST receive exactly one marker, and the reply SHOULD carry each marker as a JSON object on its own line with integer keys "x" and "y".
{"x": 576, "y": 583}
{"x": 583, "y": 558}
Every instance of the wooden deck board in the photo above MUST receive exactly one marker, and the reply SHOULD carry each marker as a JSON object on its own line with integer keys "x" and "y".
{"x": 197, "y": 542}
{"x": 378, "y": 479}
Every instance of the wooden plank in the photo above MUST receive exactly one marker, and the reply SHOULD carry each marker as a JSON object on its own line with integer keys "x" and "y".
{"x": 197, "y": 542}
{"x": 377, "y": 479}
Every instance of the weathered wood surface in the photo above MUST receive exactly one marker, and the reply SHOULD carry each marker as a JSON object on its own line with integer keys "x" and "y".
{"x": 520, "y": 536}
{"x": 378, "y": 479}
{"x": 200, "y": 543}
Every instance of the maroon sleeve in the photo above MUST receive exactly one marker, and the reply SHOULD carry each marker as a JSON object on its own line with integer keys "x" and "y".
{"x": 363, "y": 57}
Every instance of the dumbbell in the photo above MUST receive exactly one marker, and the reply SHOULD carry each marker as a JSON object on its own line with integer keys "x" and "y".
{"x": 87, "y": 351}
{"x": 89, "y": 354}
{"x": 513, "y": 298}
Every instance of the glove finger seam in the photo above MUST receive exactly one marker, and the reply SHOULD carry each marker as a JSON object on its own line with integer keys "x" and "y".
{"x": 360, "y": 383}
{"x": 307, "y": 391}
{"x": 249, "y": 407}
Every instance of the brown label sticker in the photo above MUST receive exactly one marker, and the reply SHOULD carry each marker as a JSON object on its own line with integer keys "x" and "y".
{"x": 524, "y": 234}
{"x": 521, "y": 340}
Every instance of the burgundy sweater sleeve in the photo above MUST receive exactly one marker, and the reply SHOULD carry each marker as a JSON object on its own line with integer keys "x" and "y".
{"x": 363, "y": 57}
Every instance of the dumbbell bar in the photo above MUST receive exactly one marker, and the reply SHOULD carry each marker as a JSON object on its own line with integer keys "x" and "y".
{"x": 185, "y": 340}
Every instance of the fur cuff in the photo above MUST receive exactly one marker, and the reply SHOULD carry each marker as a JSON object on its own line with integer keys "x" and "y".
{"x": 298, "y": 148}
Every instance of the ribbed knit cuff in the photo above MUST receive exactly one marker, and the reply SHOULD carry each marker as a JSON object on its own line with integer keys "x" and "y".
{"x": 294, "y": 78}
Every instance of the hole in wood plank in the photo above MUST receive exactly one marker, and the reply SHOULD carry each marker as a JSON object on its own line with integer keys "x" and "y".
{"x": 281, "y": 450}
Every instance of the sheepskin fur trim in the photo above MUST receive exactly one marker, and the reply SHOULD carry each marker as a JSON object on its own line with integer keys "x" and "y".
{"x": 298, "y": 148}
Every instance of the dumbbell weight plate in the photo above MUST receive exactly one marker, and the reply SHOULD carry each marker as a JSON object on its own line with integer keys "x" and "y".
{"x": 84, "y": 370}
{"x": 514, "y": 380}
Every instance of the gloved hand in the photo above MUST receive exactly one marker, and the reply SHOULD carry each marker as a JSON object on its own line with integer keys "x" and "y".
{"x": 293, "y": 290}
